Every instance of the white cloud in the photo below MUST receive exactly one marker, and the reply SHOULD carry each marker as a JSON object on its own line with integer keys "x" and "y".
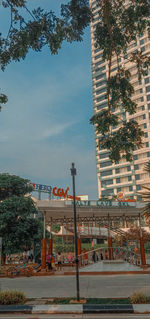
{"x": 56, "y": 129}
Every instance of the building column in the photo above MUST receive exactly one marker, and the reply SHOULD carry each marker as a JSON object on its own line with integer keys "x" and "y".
{"x": 43, "y": 253}
{"x": 110, "y": 251}
{"x": 142, "y": 248}
{"x": 109, "y": 241}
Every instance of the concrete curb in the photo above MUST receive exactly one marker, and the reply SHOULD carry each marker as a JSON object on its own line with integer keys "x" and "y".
{"x": 143, "y": 308}
{"x": 58, "y": 309}
{"x": 76, "y": 309}
{"x": 87, "y": 273}
{"x": 107, "y": 309}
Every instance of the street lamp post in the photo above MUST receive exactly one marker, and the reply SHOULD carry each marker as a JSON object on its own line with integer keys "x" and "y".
{"x": 44, "y": 243}
{"x": 73, "y": 173}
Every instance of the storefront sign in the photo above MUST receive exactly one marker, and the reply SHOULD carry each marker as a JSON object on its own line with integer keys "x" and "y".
{"x": 41, "y": 188}
{"x": 90, "y": 203}
{"x": 58, "y": 192}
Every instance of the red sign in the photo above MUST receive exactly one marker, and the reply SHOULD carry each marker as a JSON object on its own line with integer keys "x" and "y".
{"x": 60, "y": 192}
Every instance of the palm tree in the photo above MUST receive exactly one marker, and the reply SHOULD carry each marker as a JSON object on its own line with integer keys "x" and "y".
{"x": 146, "y": 192}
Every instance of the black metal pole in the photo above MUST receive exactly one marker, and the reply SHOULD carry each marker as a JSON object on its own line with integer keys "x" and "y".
{"x": 73, "y": 173}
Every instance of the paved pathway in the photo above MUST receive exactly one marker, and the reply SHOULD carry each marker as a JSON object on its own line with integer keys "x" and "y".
{"x": 100, "y": 266}
{"x": 90, "y": 286}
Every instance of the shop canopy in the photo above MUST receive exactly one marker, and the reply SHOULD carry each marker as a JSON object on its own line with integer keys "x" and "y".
{"x": 61, "y": 211}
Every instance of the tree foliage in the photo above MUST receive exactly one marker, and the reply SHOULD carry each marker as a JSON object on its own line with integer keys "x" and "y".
{"x": 36, "y": 28}
{"x": 18, "y": 228}
{"x": 12, "y": 185}
{"x": 41, "y": 28}
{"x": 134, "y": 234}
{"x": 119, "y": 25}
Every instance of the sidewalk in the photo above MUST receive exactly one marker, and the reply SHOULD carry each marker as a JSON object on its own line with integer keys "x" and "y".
{"x": 76, "y": 309}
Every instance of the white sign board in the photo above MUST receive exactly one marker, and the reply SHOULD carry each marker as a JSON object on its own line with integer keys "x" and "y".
{"x": 100, "y": 203}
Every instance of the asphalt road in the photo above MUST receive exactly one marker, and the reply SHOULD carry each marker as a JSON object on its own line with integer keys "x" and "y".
{"x": 75, "y": 316}
{"x": 90, "y": 286}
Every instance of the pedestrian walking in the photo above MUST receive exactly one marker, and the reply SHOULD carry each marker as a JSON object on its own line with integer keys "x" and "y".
{"x": 102, "y": 258}
{"x": 94, "y": 256}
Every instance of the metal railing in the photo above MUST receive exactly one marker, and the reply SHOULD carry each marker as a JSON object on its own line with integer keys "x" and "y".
{"x": 102, "y": 254}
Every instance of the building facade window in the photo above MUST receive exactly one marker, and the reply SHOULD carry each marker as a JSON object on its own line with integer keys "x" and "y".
{"x": 105, "y": 164}
{"x": 107, "y": 192}
{"x": 147, "y": 88}
{"x": 137, "y": 177}
{"x": 147, "y": 144}
{"x": 101, "y": 98}
{"x": 102, "y": 106}
{"x": 107, "y": 182}
{"x": 106, "y": 173}
{"x": 136, "y": 167}
{"x": 148, "y": 97}
{"x": 148, "y": 154}
{"x": 146, "y": 80}
{"x": 101, "y": 91}
{"x": 104, "y": 155}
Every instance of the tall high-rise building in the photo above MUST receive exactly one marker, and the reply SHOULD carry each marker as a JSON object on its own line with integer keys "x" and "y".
{"x": 124, "y": 177}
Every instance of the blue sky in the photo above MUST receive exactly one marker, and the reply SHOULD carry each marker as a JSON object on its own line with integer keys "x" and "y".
{"x": 45, "y": 125}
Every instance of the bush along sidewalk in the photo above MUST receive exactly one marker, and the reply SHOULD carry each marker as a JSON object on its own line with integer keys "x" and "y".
{"x": 12, "y": 297}
{"x": 139, "y": 298}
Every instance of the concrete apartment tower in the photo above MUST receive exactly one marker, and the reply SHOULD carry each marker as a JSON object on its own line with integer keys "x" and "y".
{"x": 124, "y": 178}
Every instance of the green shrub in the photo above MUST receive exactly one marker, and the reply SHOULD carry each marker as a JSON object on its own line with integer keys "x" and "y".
{"x": 11, "y": 297}
{"x": 137, "y": 298}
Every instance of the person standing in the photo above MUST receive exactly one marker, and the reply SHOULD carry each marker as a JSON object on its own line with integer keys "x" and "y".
{"x": 70, "y": 258}
{"x": 59, "y": 261}
{"x": 53, "y": 262}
